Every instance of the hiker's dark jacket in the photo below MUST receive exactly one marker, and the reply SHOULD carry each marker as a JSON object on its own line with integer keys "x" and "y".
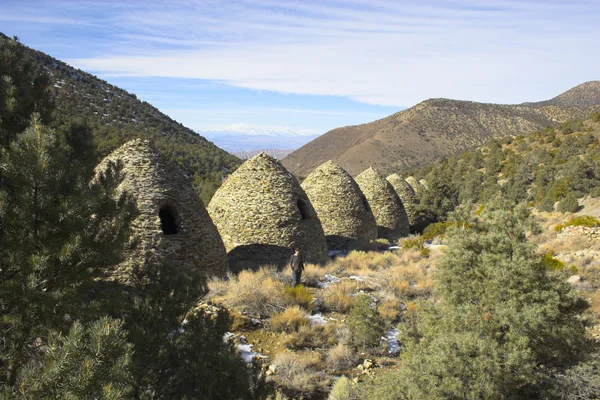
{"x": 296, "y": 262}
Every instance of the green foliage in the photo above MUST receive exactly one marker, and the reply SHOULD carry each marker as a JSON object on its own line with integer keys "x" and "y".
{"x": 585, "y": 220}
{"x": 595, "y": 116}
{"x": 413, "y": 242}
{"x": 342, "y": 390}
{"x": 90, "y": 362}
{"x": 544, "y": 168}
{"x": 551, "y": 263}
{"x": 437, "y": 229}
{"x": 569, "y": 204}
{"x": 366, "y": 325}
{"x": 503, "y": 327}
{"x": 299, "y": 295}
{"x": 570, "y": 127}
{"x": 59, "y": 235}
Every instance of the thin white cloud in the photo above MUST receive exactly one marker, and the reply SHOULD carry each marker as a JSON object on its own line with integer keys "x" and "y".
{"x": 393, "y": 53}
{"x": 250, "y": 129}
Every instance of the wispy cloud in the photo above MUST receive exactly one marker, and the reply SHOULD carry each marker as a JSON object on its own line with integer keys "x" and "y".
{"x": 393, "y": 53}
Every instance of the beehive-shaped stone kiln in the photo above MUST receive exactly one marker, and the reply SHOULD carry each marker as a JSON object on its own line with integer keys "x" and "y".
{"x": 416, "y": 185}
{"x": 392, "y": 221}
{"x": 262, "y": 213}
{"x": 343, "y": 209}
{"x": 407, "y": 195}
{"x": 172, "y": 225}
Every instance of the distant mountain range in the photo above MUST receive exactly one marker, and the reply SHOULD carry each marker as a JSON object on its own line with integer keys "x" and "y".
{"x": 116, "y": 116}
{"x": 235, "y": 142}
{"x": 277, "y": 153}
{"x": 436, "y": 128}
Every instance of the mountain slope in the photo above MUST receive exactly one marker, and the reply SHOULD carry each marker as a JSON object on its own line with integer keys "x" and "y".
{"x": 431, "y": 129}
{"x": 586, "y": 94}
{"x": 116, "y": 116}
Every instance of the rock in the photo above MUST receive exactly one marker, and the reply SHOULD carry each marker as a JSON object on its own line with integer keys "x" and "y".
{"x": 367, "y": 364}
{"x": 574, "y": 280}
{"x": 271, "y": 370}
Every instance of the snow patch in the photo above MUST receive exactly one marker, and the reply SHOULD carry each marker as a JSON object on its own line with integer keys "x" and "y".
{"x": 328, "y": 280}
{"x": 245, "y": 351}
{"x": 391, "y": 337}
{"x": 317, "y": 319}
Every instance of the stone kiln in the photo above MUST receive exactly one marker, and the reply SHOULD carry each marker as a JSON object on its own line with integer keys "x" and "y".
{"x": 341, "y": 206}
{"x": 392, "y": 221}
{"x": 172, "y": 225}
{"x": 262, "y": 213}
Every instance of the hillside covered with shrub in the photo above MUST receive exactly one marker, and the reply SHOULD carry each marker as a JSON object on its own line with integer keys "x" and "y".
{"x": 549, "y": 169}
{"x": 115, "y": 116}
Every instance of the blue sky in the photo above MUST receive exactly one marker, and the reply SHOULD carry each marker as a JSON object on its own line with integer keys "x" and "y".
{"x": 304, "y": 67}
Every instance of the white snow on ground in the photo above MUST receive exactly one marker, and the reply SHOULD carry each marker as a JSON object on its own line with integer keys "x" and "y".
{"x": 227, "y": 336}
{"x": 391, "y": 337}
{"x": 328, "y": 280}
{"x": 247, "y": 354}
{"x": 317, "y": 319}
{"x": 357, "y": 278}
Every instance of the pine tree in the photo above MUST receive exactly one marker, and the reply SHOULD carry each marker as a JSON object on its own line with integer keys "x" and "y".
{"x": 90, "y": 362}
{"x": 504, "y": 326}
{"x": 59, "y": 234}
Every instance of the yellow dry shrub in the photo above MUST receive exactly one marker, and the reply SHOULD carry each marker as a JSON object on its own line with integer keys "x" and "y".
{"x": 289, "y": 320}
{"x": 257, "y": 293}
{"x": 384, "y": 260}
{"x": 389, "y": 309}
{"x": 313, "y": 274}
{"x": 341, "y": 358}
{"x": 338, "y": 296}
{"x": 312, "y": 337}
{"x": 297, "y": 372}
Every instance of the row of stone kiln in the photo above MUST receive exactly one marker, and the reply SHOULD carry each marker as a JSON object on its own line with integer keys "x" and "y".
{"x": 259, "y": 213}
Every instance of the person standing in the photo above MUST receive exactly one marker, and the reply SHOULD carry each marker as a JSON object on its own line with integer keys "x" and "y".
{"x": 297, "y": 265}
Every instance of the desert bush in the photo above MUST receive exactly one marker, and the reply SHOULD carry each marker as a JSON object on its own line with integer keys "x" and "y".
{"x": 413, "y": 242}
{"x": 383, "y": 260}
{"x": 298, "y": 295}
{"x": 596, "y": 116}
{"x": 552, "y": 263}
{"x": 365, "y": 323}
{"x": 338, "y": 296}
{"x": 436, "y": 229}
{"x": 341, "y": 357}
{"x": 568, "y": 204}
{"x": 341, "y": 390}
{"x": 257, "y": 293}
{"x": 313, "y": 274}
{"x": 389, "y": 309}
{"x": 312, "y": 337}
{"x": 585, "y": 220}
{"x": 343, "y": 334}
{"x": 289, "y": 320}
{"x": 297, "y": 372}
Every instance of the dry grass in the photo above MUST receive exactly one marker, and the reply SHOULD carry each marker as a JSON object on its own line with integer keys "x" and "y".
{"x": 258, "y": 293}
{"x": 297, "y": 372}
{"x": 338, "y": 296}
{"x": 594, "y": 298}
{"x": 341, "y": 357}
{"x": 389, "y": 309}
{"x": 314, "y": 273}
{"x": 312, "y": 337}
{"x": 290, "y": 320}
